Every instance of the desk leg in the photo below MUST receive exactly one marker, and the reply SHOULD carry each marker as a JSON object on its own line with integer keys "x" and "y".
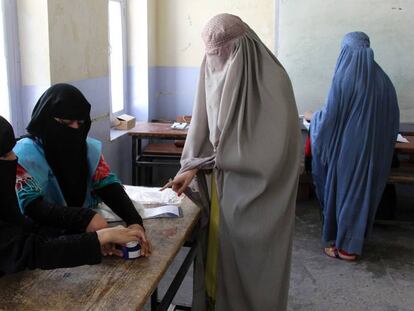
{"x": 178, "y": 279}
{"x": 139, "y": 153}
{"x": 154, "y": 300}
{"x": 136, "y": 153}
{"x": 134, "y": 161}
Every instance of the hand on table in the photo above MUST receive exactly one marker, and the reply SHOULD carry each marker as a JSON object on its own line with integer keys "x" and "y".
{"x": 146, "y": 247}
{"x": 110, "y": 249}
{"x": 181, "y": 181}
{"x": 117, "y": 235}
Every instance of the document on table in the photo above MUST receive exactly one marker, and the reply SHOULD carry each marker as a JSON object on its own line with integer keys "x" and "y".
{"x": 179, "y": 126}
{"x": 163, "y": 204}
{"x": 168, "y": 211}
{"x": 402, "y": 139}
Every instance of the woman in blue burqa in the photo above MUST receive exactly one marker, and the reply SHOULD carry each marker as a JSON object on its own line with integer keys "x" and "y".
{"x": 352, "y": 142}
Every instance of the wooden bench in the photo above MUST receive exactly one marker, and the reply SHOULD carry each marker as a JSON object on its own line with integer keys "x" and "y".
{"x": 162, "y": 149}
{"x": 402, "y": 175}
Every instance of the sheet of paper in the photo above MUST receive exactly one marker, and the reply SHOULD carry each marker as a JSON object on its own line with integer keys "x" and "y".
{"x": 179, "y": 126}
{"x": 402, "y": 139}
{"x": 145, "y": 195}
{"x": 165, "y": 211}
{"x": 167, "y": 204}
{"x": 162, "y": 211}
{"x": 306, "y": 123}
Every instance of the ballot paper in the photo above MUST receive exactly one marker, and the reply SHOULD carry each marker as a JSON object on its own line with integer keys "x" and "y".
{"x": 402, "y": 139}
{"x": 179, "y": 126}
{"x": 149, "y": 203}
{"x": 306, "y": 124}
{"x": 168, "y": 211}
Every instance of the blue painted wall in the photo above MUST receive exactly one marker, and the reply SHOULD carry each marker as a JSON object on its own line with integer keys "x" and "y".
{"x": 171, "y": 91}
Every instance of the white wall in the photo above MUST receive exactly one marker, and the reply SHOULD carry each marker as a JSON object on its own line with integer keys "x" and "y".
{"x": 78, "y": 38}
{"x": 310, "y": 35}
{"x": 34, "y": 42}
{"x": 180, "y": 22}
{"x": 138, "y": 36}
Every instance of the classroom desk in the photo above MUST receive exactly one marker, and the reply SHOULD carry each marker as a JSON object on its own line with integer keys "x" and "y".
{"x": 150, "y": 130}
{"x": 405, "y": 148}
{"x": 115, "y": 284}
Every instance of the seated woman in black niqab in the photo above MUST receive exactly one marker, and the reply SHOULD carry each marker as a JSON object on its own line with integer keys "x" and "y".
{"x": 28, "y": 244}
{"x": 59, "y": 165}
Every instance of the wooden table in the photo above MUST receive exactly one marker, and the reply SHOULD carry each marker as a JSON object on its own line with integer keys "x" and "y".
{"x": 151, "y": 130}
{"x": 115, "y": 284}
{"x": 406, "y": 148}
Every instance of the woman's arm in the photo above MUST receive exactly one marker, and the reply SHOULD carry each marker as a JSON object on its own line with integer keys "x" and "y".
{"x": 110, "y": 190}
{"x": 116, "y": 198}
{"x": 29, "y": 250}
{"x": 52, "y": 215}
{"x": 65, "y": 217}
{"x": 22, "y": 248}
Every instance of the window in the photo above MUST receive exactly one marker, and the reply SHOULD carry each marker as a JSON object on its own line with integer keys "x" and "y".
{"x": 4, "y": 81}
{"x": 117, "y": 54}
{"x": 10, "y": 65}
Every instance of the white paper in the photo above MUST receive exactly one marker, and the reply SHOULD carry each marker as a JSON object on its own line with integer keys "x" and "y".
{"x": 306, "y": 123}
{"x": 402, "y": 139}
{"x": 179, "y": 126}
{"x": 145, "y": 195}
{"x": 162, "y": 211}
{"x": 168, "y": 201}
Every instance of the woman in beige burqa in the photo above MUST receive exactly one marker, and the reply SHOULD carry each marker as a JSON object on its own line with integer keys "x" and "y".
{"x": 243, "y": 143}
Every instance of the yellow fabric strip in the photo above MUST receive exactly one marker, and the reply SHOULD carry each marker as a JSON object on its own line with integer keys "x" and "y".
{"x": 213, "y": 244}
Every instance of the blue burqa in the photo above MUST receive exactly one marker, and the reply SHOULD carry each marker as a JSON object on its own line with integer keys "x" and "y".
{"x": 353, "y": 139}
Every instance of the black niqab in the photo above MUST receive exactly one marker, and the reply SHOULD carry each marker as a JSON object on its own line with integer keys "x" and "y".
{"x": 65, "y": 147}
{"x": 7, "y": 140}
{"x": 9, "y": 210}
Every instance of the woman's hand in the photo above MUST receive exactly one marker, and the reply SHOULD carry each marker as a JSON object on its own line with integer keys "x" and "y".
{"x": 181, "y": 182}
{"x": 146, "y": 248}
{"x": 96, "y": 223}
{"x": 117, "y": 235}
{"x": 110, "y": 249}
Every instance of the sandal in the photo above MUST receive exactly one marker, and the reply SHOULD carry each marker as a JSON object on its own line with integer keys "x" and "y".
{"x": 332, "y": 252}
{"x": 346, "y": 256}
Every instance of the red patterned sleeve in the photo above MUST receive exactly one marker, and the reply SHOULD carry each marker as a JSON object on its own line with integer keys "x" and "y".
{"x": 22, "y": 177}
{"x": 27, "y": 188}
{"x": 102, "y": 170}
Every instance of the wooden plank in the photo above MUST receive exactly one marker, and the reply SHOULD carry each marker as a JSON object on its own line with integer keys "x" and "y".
{"x": 402, "y": 175}
{"x": 162, "y": 149}
{"x": 405, "y": 147}
{"x": 156, "y": 130}
{"x": 115, "y": 284}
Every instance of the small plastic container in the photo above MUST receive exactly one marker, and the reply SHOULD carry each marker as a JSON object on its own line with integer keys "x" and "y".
{"x": 131, "y": 250}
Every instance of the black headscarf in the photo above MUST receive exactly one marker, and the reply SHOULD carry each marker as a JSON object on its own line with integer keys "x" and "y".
{"x": 7, "y": 140}
{"x": 9, "y": 210}
{"x": 65, "y": 147}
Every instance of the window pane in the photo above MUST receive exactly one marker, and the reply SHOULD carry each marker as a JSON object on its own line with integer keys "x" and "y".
{"x": 116, "y": 56}
{"x": 4, "y": 90}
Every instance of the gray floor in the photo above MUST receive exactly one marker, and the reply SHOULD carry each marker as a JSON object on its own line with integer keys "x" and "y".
{"x": 383, "y": 279}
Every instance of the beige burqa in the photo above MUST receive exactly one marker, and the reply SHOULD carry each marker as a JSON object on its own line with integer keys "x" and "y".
{"x": 245, "y": 127}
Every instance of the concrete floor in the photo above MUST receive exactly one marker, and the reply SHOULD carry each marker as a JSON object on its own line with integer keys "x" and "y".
{"x": 382, "y": 280}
